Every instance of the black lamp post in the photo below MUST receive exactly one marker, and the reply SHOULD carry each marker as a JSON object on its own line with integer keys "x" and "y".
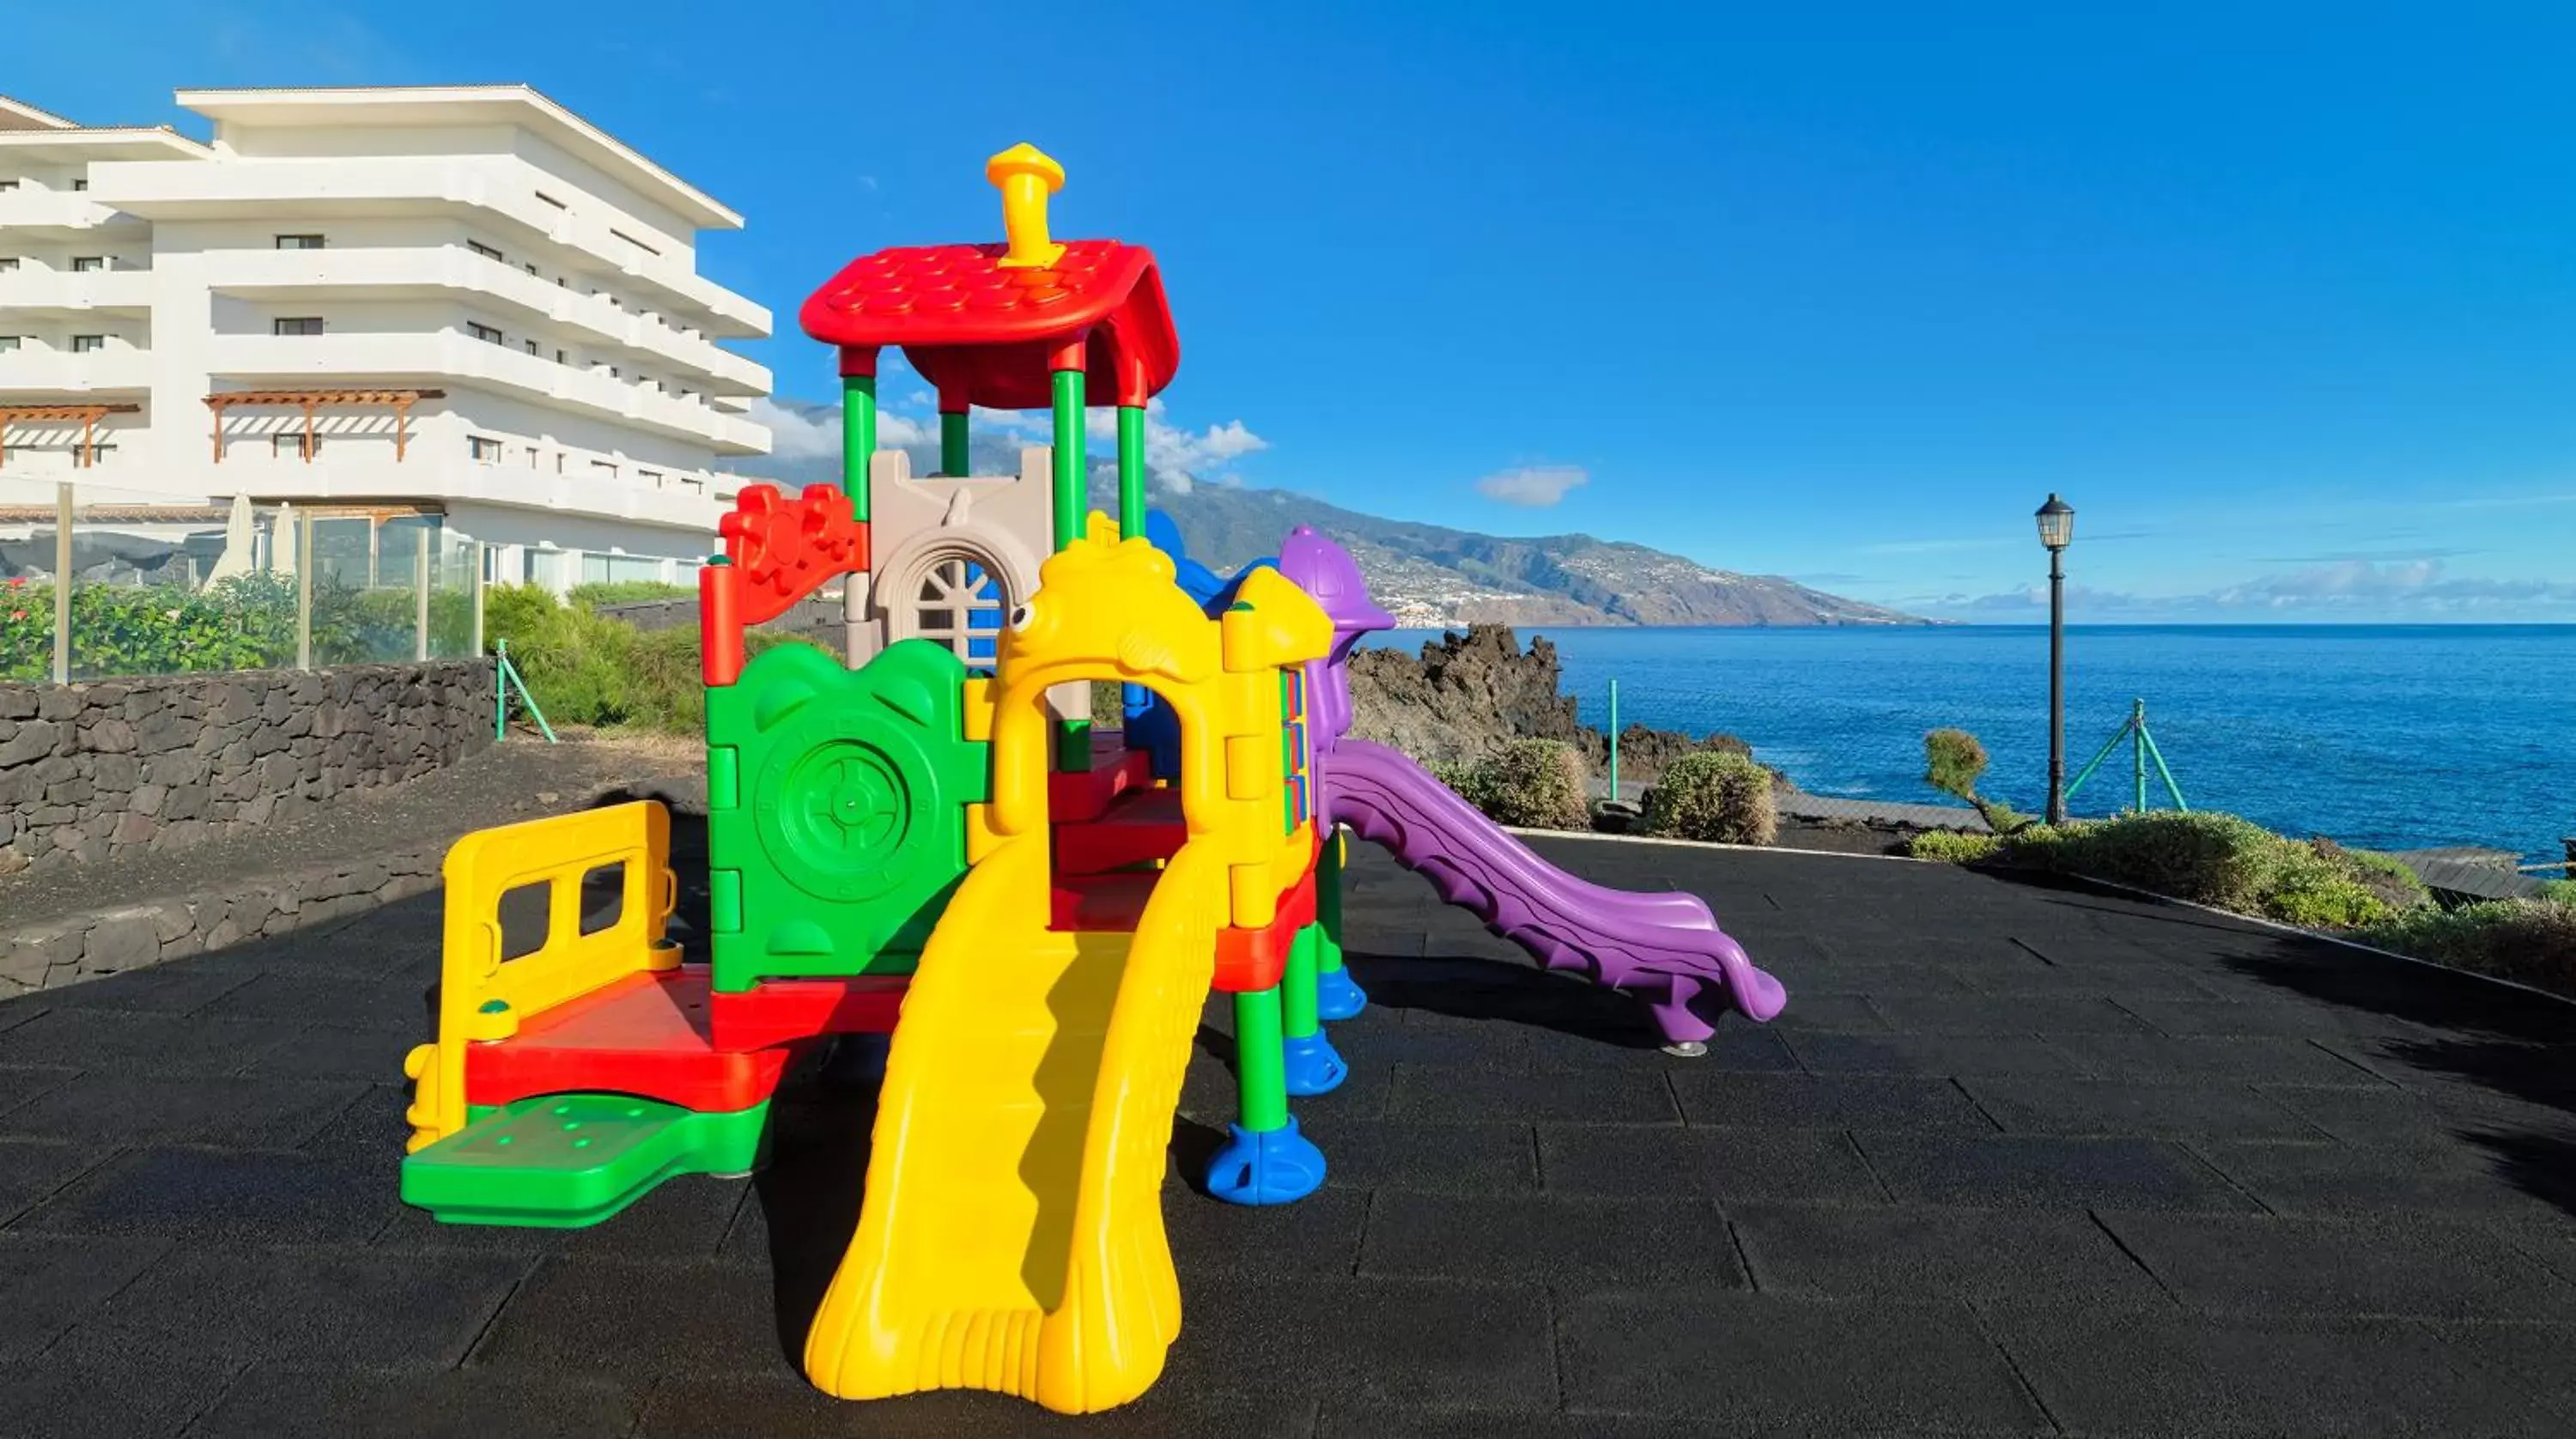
{"x": 2056, "y": 531}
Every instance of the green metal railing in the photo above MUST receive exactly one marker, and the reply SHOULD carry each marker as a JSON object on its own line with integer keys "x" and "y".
{"x": 2142, "y": 746}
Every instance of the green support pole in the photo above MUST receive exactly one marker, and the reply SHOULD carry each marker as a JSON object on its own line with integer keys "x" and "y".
{"x": 858, "y": 437}
{"x": 1260, "y": 1064}
{"x": 1131, "y": 471}
{"x": 1070, "y": 461}
{"x": 2158, "y": 756}
{"x": 1328, "y": 905}
{"x": 1073, "y": 739}
{"x": 952, "y": 444}
{"x": 1298, "y": 1019}
{"x": 2138, "y": 749}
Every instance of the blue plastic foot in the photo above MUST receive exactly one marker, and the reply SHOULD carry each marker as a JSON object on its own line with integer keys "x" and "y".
{"x": 1338, "y": 996}
{"x": 1313, "y": 1066}
{"x": 1274, "y": 1166}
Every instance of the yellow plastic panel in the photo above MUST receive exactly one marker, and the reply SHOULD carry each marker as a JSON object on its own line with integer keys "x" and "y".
{"x": 483, "y": 997}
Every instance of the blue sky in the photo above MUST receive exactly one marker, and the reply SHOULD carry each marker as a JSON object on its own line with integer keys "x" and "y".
{"x": 2282, "y": 298}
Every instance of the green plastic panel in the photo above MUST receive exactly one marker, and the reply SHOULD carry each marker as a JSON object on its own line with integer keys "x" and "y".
{"x": 847, "y": 830}
{"x": 566, "y": 1161}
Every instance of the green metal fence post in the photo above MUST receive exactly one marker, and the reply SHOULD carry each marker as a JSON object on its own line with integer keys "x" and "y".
{"x": 1614, "y": 740}
{"x": 2138, "y": 749}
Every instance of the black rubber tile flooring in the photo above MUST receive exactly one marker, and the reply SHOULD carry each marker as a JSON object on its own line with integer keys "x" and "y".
{"x": 2020, "y": 1159}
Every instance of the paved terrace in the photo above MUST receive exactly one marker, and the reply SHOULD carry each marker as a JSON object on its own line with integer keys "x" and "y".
{"x": 2020, "y": 1160}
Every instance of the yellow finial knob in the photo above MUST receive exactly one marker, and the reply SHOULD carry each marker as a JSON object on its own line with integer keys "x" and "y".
{"x": 1026, "y": 176}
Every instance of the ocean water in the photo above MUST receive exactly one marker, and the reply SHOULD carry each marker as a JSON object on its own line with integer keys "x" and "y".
{"x": 2389, "y": 737}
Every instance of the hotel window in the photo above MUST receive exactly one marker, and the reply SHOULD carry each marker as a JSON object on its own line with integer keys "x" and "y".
{"x": 532, "y": 348}
{"x": 88, "y": 264}
{"x": 486, "y": 333}
{"x": 9, "y": 343}
{"x": 291, "y": 446}
{"x": 604, "y": 467}
{"x": 638, "y": 244}
{"x": 7, "y": 185}
{"x": 532, "y": 267}
{"x": 88, "y": 344}
{"x": 549, "y": 199}
{"x": 650, "y": 477}
{"x": 486, "y": 251}
{"x": 299, "y": 242}
{"x": 559, "y": 357}
{"x": 532, "y": 457}
{"x": 80, "y": 184}
{"x": 8, "y": 263}
{"x": 296, "y": 325}
{"x": 487, "y": 451}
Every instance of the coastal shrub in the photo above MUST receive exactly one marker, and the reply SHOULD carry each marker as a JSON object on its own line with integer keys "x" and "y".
{"x": 1953, "y": 762}
{"x": 2308, "y": 888}
{"x": 1954, "y": 846}
{"x": 1717, "y": 797}
{"x": 2528, "y": 941}
{"x": 1533, "y": 783}
{"x": 2389, "y": 880}
{"x": 2559, "y": 891}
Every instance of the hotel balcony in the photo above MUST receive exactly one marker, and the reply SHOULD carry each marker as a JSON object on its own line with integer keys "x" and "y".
{"x": 365, "y": 470}
{"x": 447, "y": 272}
{"x": 392, "y": 360}
{"x": 113, "y": 292}
{"x": 44, "y": 373}
{"x": 60, "y": 212}
{"x": 378, "y": 186}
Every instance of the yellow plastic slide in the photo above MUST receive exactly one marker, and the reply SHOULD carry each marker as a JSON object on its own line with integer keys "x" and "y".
{"x": 1012, "y": 1233}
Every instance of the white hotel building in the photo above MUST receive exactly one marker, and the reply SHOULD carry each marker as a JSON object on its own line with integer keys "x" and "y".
{"x": 465, "y": 303}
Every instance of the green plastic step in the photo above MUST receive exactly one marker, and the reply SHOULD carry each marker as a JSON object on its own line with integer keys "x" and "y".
{"x": 565, "y": 1161}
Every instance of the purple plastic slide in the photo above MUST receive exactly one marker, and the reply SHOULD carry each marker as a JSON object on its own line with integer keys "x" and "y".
{"x": 1665, "y": 948}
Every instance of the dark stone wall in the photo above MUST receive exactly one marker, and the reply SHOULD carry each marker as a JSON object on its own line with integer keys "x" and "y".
{"x": 112, "y": 767}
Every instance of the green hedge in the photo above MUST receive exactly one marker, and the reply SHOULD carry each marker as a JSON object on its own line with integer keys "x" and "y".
{"x": 627, "y": 592}
{"x": 2531, "y": 942}
{"x": 2208, "y": 858}
{"x": 588, "y": 669}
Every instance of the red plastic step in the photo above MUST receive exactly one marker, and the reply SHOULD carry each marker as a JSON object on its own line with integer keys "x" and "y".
{"x": 1076, "y": 796}
{"x": 1247, "y": 960}
{"x": 785, "y": 1011}
{"x": 647, "y": 1034}
{"x": 1140, "y": 825}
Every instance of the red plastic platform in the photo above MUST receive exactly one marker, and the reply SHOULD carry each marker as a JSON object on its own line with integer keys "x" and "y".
{"x": 646, "y": 1034}
{"x": 1139, "y": 825}
{"x": 785, "y": 1011}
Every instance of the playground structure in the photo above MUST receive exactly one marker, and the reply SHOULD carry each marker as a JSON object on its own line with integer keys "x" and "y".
{"x": 931, "y": 841}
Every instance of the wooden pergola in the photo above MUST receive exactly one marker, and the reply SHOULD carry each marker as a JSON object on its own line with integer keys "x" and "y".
{"x": 309, "y": 400}
{"x": 88, "y": 415}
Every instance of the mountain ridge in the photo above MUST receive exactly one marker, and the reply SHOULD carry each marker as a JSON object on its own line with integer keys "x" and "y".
{"x": 1438, "y": 576}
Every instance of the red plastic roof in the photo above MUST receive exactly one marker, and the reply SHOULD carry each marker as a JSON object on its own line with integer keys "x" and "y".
{"x": 983, "y": 334}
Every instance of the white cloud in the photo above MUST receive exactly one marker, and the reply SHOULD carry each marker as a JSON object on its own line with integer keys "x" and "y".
{"x": 1533, "y": 486}
{"x": 806, "y": 435}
